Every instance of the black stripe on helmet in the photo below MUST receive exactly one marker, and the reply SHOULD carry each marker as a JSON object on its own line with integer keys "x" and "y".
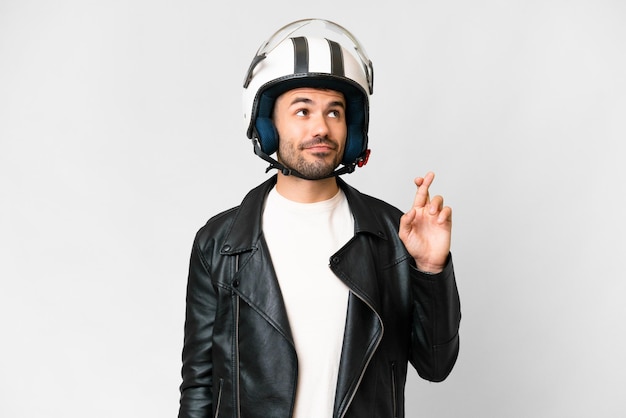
{"x": 336, "y": 59}
{"x": 300, "y": 55}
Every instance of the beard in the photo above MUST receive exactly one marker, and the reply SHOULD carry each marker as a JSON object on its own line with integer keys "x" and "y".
{"x": 317, "y": 168}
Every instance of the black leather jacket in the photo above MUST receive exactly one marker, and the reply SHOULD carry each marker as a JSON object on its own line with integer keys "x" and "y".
{"x": 239, "y": 358}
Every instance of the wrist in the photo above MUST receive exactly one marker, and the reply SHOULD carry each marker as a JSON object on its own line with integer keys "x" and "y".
{"x": 429, "y": 268}
{"x": 432, "y": 266}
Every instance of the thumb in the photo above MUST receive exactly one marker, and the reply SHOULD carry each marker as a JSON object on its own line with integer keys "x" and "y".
{"x": 406, "y": 220}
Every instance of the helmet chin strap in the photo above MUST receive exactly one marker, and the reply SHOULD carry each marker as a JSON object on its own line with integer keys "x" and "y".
{"x": 290, "y": 172}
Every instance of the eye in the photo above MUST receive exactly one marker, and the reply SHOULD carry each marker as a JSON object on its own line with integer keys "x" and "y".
{"x": 302, "y": 112}
{"x": 334, "y": 114}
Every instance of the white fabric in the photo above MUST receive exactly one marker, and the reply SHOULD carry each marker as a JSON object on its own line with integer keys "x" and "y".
{"x": 301, "y": 238}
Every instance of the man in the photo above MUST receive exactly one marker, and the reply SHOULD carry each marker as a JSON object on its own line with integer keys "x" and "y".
{"x": 309, "y": 299}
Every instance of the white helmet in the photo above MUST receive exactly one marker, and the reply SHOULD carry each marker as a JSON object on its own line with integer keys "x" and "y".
{"x": 309, "y": 53}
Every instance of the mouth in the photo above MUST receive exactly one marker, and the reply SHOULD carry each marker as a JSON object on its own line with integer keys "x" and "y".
{"x": 319, "y": 148}
{"x": 319, "y": 145}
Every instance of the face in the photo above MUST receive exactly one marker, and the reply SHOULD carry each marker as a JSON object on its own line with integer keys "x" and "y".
{"x": 311, "y": 126}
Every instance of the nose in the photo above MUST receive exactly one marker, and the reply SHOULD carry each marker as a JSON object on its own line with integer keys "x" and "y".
{"x": 319, "y": 125}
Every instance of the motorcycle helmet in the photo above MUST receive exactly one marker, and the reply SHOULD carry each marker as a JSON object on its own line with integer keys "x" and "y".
{"x": 314, "y": 53}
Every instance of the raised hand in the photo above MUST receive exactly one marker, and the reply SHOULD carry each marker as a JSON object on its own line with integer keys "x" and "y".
{"x": 426, "y": 228}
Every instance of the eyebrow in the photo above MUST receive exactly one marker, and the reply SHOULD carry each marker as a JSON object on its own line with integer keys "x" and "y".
{"x": 306, "y": 100}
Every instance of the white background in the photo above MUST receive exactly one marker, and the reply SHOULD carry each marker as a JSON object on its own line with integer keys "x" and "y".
{"x": 121, "y": 134}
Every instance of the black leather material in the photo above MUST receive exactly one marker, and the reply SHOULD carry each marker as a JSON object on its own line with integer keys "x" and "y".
{"x": 239, "y": 357}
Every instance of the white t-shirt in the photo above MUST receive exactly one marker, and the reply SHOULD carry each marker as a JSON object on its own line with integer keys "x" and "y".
{"x": 301, "y": 237}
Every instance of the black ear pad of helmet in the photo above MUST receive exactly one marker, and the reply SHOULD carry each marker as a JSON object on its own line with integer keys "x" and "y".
{"x": 356, "y": 140}
{"x": 354, "y": 145}
{"x": 263, "y": 124}
{"x": 268, "y": 137}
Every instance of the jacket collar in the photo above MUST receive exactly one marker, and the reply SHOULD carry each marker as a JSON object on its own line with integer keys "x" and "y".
{"x": 366, "y": 220}
{"x": 246, "y": 227}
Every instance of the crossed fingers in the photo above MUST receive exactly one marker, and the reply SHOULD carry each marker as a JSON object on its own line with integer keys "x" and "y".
{"x": 434, "y": 206}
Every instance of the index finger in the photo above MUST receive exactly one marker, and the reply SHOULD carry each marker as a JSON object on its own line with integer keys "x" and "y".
{"x": 422, "y": 197}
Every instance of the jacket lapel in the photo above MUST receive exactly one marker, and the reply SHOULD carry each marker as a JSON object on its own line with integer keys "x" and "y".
{"x": 364, "y": 327}
{"x": 259, "y": 288}
{"x": 354, "y": 265}
{"x": 255, "y": 280}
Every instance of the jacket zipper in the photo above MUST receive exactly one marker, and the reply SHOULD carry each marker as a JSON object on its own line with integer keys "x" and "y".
{"x": 236, "y": 344}
{"x": 219, "y": 398}
{"x": 394, "y": 390}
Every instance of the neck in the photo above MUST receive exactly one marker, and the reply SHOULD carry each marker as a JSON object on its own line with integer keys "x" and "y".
{"x": 306, "y": 191}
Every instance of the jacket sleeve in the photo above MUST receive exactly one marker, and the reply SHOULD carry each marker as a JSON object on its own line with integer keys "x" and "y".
{"x": 436, "y": 320}
{"x": 197, "y": 368}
